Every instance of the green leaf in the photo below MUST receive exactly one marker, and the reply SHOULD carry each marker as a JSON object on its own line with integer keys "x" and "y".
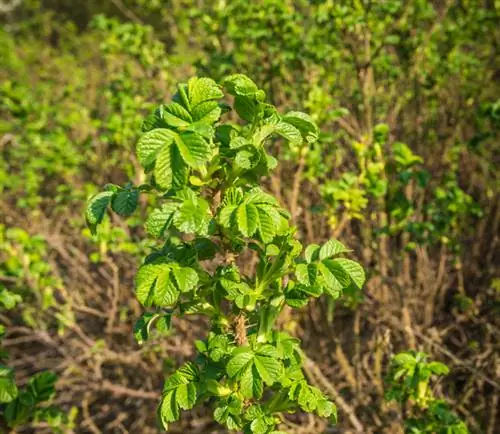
{"x": 42, "y": 386}
{"x": 160, "y": 219}
{"x": 353, "y": 269}
{"x": 267, "y": 226}
{"x": 150, "y": 144}
{"x": 404, "y": 358}
{"x": 165, "y": 292}
{"x": 8, "y": 298}
{"x": 186, "y": 278}
{"x": 145, "y": 281}
{"x": 203, "y": 89}
{"x": 207, "y": 112}
{"x": 125, "y": 201}
{"x": 289, "y": 132}
{"x": 312, "y": 252}
{"x": 306, "y": 273}
{"x": 96, "y": 209}
{"x": 8, "y": 388}
{"x": 154, "y": 285}
{"x": 307, "y": 398}
{"x": 438, "y": 368}
{"x": 327, "y": 409}
{"x": 19, "y": 410}
{"x": 193, "y": 216}
{"x": 246, "y": 159}
{"x": 251, "y": 383}
{"x": 142, "y": 326}
{"x": 334, "y": 277}
{"x": 163, "y": 167}
{"x": 270, "y": 369}
{"x": 239, "y": 361}
{"x": 194, "y": 149}
{"x": 257, "y": 196}
{"x": 304, "y": 123}
{"x": 226, "y": 214}
{"x": 332, "y": 248}
{"x": 186, "y": 396}
{"x": 180, "y": 170}
{"x": 247, "y": 219}
{"x": 296, "y": 298}
{"x": 239, "y": 84}
{"x": 246, "y": 108}
{"x": 175, "y": 115}
{"x": 168, "y": 410}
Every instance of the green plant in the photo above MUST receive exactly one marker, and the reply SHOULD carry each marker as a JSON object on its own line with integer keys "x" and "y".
{"x": 20, "y": 406}
{"x": 408, "y": 382}
{"x": 213, "y": 215}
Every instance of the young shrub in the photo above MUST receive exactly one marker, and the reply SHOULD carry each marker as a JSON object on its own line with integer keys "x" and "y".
{"x": 409, "y": 384}
{"x": 205, "y": 174}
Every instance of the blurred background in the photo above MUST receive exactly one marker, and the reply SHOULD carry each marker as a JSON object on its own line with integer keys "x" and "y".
{"x": 406, "y": 173}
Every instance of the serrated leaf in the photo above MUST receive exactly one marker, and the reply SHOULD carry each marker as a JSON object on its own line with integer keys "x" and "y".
{"x": 267, "y": 227}
{"x": 203, "y": 89}
{"x": 296, "y": 299}
{"x": 251, "y": 383}
{"x": 225, "y": 215}
{"x": 207, "y": 112}
{"x": 193, "y": 217}
{"x": 145, "y": 280}
{"x": 165, "y": 292}
{"x": 163, "y": 167}
{"x": 160, "y": 219}
{"x": 304, "y": 123}
{"x": 289, "y": 132}
{"x": 259, "y": 426}
{"x": 332, "y": 248}
{"x": 326, "y": 408}
{"x": 96, "y": 208}
{"x": 247, "y": 219}
{"x": 151, "y": 143}
{"x": 239, "y": 84}
{"x": 329, "y": 277}
{"x": 238, "y": 362}
{"x": 246, "y": 159}
{"x": 186, "y": 278}
{"x": 186, "y": 396}
{"x": 257, "y": 196}
{"x": 168, "y": 409}
{"x": 270, "y": 369}
{"x": 238, "y": 142}
{"x": 307, "y": 398}
{"x": 153, "y": 121}
{"x": 246, "y": 108}
{"x": 306, "y": 273}
{"x": 193, "y": 148}
{"x": 353, "y": 269}
{"x": 175, "y": 115}
{"x": 312, "y": 252}
{"x": 125, "y": 201}
{"x": 180, "y": 170}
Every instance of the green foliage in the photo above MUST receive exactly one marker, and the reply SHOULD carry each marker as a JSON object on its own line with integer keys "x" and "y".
{"x": 26, "y": 275}
{"x": 206, "y": 174}
{"x": 408, "y": 382}
{"x": 19, "y": 406}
